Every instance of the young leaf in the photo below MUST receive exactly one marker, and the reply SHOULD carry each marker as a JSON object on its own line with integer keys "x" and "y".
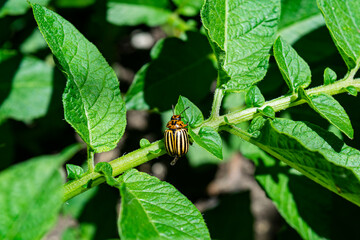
{"x": 241, "y": 33}
{"x": 294, "y": 69}
{"x": 342, "y": 18}
{"x": 155, "y": 152}
{"x": 192, "y": 116}
{"x": 254, "y": 98}
{"x": 167, "y": 77}
{"x": 208, "y": 139}
{"x": 135, "y": 12}
{"x": 106, "y": 169}
{"x": 256, "y": 124}
{"x": 316, "y": 153}
{"x": 74, "y": 171}
{"x": 144, "y": 143}
{"x": 188, "y": 8}
{"x": 31, "y": 196}
{"x": 30, "y": 91}
{"x": 268, "y": 111}
{"x": 352, "y": 90}
{"x": 329, "y": 76}
{"x": 161, "y": 211}
{"x": 92, "y": 100}
{"x": 331, "y": 110}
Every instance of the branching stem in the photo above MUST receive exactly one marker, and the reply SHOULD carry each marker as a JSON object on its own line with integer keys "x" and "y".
{"x": 142, "y": 155}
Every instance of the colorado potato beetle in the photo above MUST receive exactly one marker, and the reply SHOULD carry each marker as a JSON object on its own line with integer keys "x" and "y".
{"x": 176, "y": 137}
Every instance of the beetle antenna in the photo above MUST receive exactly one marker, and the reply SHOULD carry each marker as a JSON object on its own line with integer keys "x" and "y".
{"x": 184, "y": 110}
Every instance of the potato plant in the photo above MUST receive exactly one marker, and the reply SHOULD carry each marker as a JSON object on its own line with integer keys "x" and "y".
{"x": 273, "y": 80}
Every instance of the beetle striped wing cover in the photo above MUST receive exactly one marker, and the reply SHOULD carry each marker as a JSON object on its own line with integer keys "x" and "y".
{"x": 177, "y": 142}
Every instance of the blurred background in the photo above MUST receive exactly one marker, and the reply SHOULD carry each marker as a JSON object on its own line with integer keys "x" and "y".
{"x": 233, "y": 204}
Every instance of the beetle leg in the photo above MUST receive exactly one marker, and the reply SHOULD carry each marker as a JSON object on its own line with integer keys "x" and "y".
{"x": 173, "y": 162}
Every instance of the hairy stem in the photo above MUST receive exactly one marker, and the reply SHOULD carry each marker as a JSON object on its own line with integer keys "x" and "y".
{"x": 142, "y": 155}
{"x": 90, "y": 159}
{"x": 119, "y": 165}
{"x": 215, "y": 109}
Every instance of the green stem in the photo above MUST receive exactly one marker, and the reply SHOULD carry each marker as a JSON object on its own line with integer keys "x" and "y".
{"x": 215, "y": 109}
{"x": 119, "y": 165}
{"x": 175, "y": 26}
{"x": 145, "y": 154}
{"x": 90, "y": 159}
{"x": 283, "y": 102}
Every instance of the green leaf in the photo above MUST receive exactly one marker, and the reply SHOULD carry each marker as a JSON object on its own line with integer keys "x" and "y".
{"x": 192, "y": 116}
{"x": 293, "y": 11}
{"x": 198, "y": 156}
{"x": 287, "y": 188}
{"x": 6, "y": 54}
{"x": 85, "y": 231}
{"x": 304, "y": 204}
{"x": 316, "y": 153}
{"x": 342, "y": 18}
{"x": 106, "y": 169}
{"x": 30, "y": 91}
{"x": 18, "y": 7}
{"x": 352, "y": 90}
{"x": 158, "y": 216}
{"x": 155, "y": 152}
{"x": 329, "y": 76}
{"x": 256, "y": 124}
{"x": 310, "y": 209}
{"x": 254, "y": 98}
{"x": 134, "y": 97}
{"x": 165, "y": 78}
{"x": 33, "y": 43}
{"x": 188, "y": 8}
{"x": 144, "y": 143}
{"x": 241, "y": 34}
{"x": 135, "y": 12}
{"x": 233, "y": 101}
{"x": 331, "y": 110}
{"x": 74, "y": 171}
{"x": 75, "y": 206}
{"x": 298, "y": 18}
{"x": 293, "y": 68}
{"x": 92, "y": 100}
{"x": 208, "y": 139}
{"x": 74, "y": 3}
{"x": 31, "y": 196}
{"x": 268, "y": 111}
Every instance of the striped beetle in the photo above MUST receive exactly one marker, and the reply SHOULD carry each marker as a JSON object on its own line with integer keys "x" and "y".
{"x": 176, "y": 137}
